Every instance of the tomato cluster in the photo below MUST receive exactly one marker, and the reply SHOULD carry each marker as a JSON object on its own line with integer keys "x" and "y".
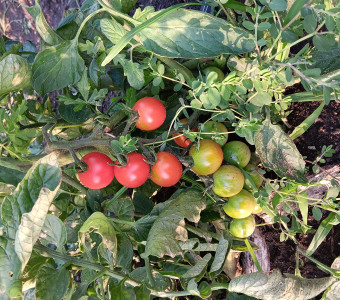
{"x": 166, "y": 172}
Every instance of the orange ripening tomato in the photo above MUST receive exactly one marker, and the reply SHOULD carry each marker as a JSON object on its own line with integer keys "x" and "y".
{"x": 182, "y": 140}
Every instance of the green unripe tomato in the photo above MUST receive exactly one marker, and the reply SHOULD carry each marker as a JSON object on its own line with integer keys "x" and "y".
{"x": 207, "y": 157}
{"x": 242, "y": 228}
{"x": 221, "y": 132}
{"x": 257, "y": 209}
{"x": 240, "y": 206}
{"x": 228, "y": 181}
{"x": 254, "y": 175}
{"x": 236, "y": 153}
{"x": 220, "y": 74}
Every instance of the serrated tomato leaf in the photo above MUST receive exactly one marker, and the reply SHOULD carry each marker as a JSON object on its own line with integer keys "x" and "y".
{"x": 169, "y": 227}
{"x": 278, "y": 152}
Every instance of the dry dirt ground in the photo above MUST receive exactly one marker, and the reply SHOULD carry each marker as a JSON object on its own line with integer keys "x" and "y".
{"x": 19, "y": 25}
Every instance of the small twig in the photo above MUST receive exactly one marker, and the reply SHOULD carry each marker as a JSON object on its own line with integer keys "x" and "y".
{"x": 70, "y": 181}
{"x": 46, "y": 135}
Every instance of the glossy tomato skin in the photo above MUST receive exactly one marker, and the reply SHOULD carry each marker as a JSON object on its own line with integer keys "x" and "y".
{"x": 152, "y": 113}
{"x": 167, "y": 170}
{"x": 99, "y": 173}
{"x": 242, "y": 228}
{"x": 182, "y": 140}
{"x": 221, "y": 131}
{"x": 220, "y": 74}
{"x": 254, "y": 175}
{"x": 135, "y": 173}
{"x": 207, "y": 158}
{"x": 257, "y": 209}
{"x": 228, "y": 181}
{"x": 240, "y": 206}
{"x": 236, "y": 153}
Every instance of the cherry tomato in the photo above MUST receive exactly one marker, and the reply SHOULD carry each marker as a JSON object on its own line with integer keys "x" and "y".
{"x": 257, "y": 209}
{"x": 221, "y": 132}
{"x": 220, "y": 74}
{"x": 242, "y": 228}
{"x": 182, "y": 140}
{"x": 167, "y": 170}
{"x": 207, "y": 158}
{"x": 135, "y": 173}
{"x": 99, "y": 173}
{"x": 240, "y": 206}
{"x": 236, "y": 153}
{"x": 152, "y": 113}
{"x": 228, "y": 181}
{"x": 254, "y": 175}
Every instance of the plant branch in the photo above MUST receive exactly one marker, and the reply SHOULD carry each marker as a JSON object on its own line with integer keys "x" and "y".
{"x": 70, "y": 181}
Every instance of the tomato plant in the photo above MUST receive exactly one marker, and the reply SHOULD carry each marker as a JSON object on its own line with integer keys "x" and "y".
{"x": 255, "y": 176}
{"x": 167, "y": 170}
{"x": 134, "y": 173}
{"x": 228, "y": 181}
{"x": 242, "y": 228}
{"x": 181, "y": 139}
{"x": 151, "y": 113}
{"x": 208, "y": 157}
{"x": 215, "y": 131}
{"x": 99, "y": 173}
{"x": 220, "y": 74}
{"x": 236, "y": 153}
{"x": 240, "y": 205}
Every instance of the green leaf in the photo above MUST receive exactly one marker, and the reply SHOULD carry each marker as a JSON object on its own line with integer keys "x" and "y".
{"x": 294, "y": 10}
{"x": 317, "y": 213}
{"x": 31, "y": 224}
{"x": 99, "y": 223}
{"x": 199, "y": 268}
{"x": 15, "y": 74}
{"x": 309, "y": 23}
{"x": 275, "y": 286}
{"x": 324, "y": 228}
{"x": 68, "y": 113}
{"x": 45, "y": 31}
{"x": 140, "y": 274}
{"x": 10, "y": 266}
{"x": 122, "y": 208}
{"x": 128, "y": 5}
{"x": 51, "y": 283}
{"x": 84, "y": 85}
{"x": 142, "y": 293}
{"x": 121, "y": 292}
{"x": 333, "y": 292}
{"x": 308, "y": 122}
{"x": 220, "y": 255}
{"x": 112, "y": 30}
{"x": 135, "y": 74}
{"x": 278, "y": 152}
{"x": 10, "y": 176}
{"x": 44, "y": 175}
{"x": 261, "y": 98}
{"x": 278, "y": 5}
{"x": 57, "y": 67}
{"x": 324, "y": 42}
{"x": 194, "y": 34}
{"x": 302, "y": 199}
{"x": 328, "y": 60}
{"x": 125, "y": 252}
{"x": 53, "y": 232}
{"x": 169, "y": 226}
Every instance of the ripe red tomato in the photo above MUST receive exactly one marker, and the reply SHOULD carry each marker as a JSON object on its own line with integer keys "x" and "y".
{"x": 99, "y": 173}
{"x": 182, "y": 140}
{"x": 207, "y": 158}
{"x": 167, "y": 170}
{"x": 135, "y": 173}
{"x": 242, "y": 228}
{"x": 152, "y": 113}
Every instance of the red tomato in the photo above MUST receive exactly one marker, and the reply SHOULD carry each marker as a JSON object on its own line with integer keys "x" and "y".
{"x": 99, "y": 173}
{"x": 135, "y": 173}
{"x": 152, "y": 113}
{"x": 167, "y": 170}
{"x": 182, "y": 140}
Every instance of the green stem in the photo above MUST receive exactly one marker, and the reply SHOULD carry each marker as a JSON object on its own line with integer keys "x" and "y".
{"x": 253, "y": 256}
{"x": 85, "y": 21}
{"x": 116, "y": 196}
{"x": 70, "y": 181}
{"x": 149, "y": 273}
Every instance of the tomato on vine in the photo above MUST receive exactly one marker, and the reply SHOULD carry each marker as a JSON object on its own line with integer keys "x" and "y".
{"x": 151, "y": 113}
{"x": 236, "y": 153}
{"x": 240, "y": 206}
{"x": 182, "y": 140}
{"x": 134, "y": 173}
{"x": 167, "y": 170}
{"x": 228, "y": 181}
{"x": 242, "y": 228}
{"x": 99, "y": 173}
{"x": 221, "y": 132}
{"x": 207, "y": 157}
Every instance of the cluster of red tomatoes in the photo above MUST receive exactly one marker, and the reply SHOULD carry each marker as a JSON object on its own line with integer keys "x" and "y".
{"x": 166, "y": 172}
{"x": 228, "y": 180}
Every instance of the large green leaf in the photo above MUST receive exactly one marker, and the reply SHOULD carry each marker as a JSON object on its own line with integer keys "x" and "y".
{"x": 278, "y": 152}
{"x": 51, "y": 283}
{"x": 276, "y": 286}
{"x": 32, "y": 223}
{"x": 57, "y": 67}
{"x": 9, "y": 266}
{"x": 169, "y": 227}
{"x": 45, "y": 31}
{"x": 44, "y": 174}
{"x": 113, "y": 30}
{"x": 53, "y": 232}
{"x": 100, "y": 224}
{"x": 15, "y": 74}
{"x": 194, "y": 34}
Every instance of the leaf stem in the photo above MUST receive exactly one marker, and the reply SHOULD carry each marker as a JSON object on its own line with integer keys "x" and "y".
{"x": 85, "y": 21}
{"x": 253, "y": 256}
{"x": 70, "y": 181}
